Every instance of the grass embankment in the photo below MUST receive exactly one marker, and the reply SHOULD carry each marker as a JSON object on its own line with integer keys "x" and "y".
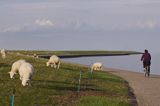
{"x": 76, "y": 53}
{"x": 52, "y": 87}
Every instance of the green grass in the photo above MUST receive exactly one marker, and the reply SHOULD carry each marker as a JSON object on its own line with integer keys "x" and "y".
{"x": 101, "y": 101}
{"x": 74, "y": 52}
{"x": 52, "y": 87}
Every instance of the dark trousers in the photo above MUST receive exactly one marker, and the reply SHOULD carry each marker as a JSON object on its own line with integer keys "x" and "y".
{"x": 147, "y": 63}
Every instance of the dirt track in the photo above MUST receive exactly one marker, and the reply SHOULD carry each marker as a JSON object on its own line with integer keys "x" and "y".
{"x": 146, "y": 90}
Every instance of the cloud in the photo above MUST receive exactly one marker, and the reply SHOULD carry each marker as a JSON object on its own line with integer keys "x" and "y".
{"x": 10, "y": 29}
{"x": 139, "y": 24}
{"x": 44, "y": 22}
{"x": 34, "y": 25}
{"x": 46, "y": 25}
{"x": 147, "y": 24}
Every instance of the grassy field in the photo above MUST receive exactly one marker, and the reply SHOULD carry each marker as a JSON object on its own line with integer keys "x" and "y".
{"x": 74, "y": 52}
{"x": 52, "y": 87}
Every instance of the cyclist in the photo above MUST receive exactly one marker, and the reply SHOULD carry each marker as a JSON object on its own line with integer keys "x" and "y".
{"x": 146, "y": 58}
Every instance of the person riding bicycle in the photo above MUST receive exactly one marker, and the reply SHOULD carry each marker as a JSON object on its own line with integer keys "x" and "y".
{"x": 146, "y": 58}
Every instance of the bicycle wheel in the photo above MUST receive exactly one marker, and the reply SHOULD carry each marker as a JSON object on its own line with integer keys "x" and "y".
{"x": 147, "y": 71}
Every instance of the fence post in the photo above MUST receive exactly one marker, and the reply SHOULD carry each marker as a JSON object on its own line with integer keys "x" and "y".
{"x": 13, "y": 94}
{"x": 79, "y": 85}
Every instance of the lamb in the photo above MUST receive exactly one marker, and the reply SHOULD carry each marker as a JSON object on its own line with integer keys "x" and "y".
{"x": 3, "y": 53}
{"x": 26, "y": 72}
{"x": 97, "y": 67}
{"x": 54, "y": 61}
{"x": 15, "y": 67}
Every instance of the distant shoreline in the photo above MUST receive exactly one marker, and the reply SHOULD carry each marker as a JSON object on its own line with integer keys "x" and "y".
{"x": 85, "y": 55}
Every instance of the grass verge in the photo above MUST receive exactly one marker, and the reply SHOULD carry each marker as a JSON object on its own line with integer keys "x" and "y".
{"x": 52, "y": 87}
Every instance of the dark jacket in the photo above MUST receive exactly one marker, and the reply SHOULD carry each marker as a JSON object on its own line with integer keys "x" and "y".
{"x": 146, "y": 57}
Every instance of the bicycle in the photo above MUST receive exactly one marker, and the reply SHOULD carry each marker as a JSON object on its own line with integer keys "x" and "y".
{"x": 147, "y": 71}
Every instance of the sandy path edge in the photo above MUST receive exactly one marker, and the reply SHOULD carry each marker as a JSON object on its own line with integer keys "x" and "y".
{"x": 146, "y": 90}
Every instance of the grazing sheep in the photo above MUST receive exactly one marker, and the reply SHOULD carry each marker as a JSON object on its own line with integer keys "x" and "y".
{"x": 15, "y": 67}
{"x": 35, "y": 55}
{"x": 97, "y": 66}
{"x": 3, "y": 53}
{"x": 54, "y": 61}
{"x": 26, "y": 72}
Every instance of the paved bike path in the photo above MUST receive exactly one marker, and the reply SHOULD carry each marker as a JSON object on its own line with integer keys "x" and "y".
{"x": 146, "y": 90}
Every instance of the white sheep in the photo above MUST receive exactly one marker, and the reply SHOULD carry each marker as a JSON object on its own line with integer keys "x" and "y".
{"x": 35, "y": 55}
{"x": 15, "y": 67}
{"x": 26, "y": 72}
{"x": 97, "y": 67}
{"x": 3, "y": 53}
{"x": 54, "y": 61}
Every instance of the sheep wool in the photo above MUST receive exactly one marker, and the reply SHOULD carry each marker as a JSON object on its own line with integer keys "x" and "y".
{"x": 26, "y": 72}
{"x": 54, "y": 61}
{"x": 97, "y": 66}
{"x": 15, "y": 67}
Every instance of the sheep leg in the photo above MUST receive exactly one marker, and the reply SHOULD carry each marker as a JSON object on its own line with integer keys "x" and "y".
{"x": 21, "y": 77}
{"x": 29, "y": 83}
{"x": 51, "y": 65}
{"x": 58, "y": 65}
{"x": 55, "y": 65}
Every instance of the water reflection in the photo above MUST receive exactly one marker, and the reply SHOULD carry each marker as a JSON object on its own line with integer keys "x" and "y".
{"x": 129, "y": 62}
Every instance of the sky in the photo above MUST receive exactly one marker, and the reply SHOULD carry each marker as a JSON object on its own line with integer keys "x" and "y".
{"x": 80, "y": 25}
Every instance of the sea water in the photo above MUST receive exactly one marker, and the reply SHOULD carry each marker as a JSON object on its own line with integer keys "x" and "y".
{"x": 126, "y": 62}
